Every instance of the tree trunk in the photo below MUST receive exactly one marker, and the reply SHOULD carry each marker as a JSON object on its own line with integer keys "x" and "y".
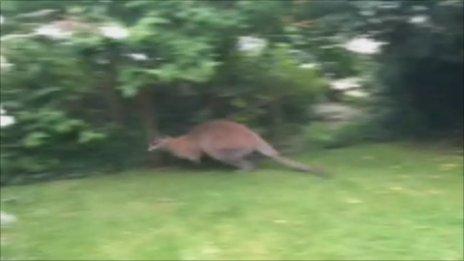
{"x": 116, "y": 111}
{"x": 276, "y": 111}
{"x": 147, "y": 118}
{"x": 146, "y": 110}
{"x": 112, "y": 98}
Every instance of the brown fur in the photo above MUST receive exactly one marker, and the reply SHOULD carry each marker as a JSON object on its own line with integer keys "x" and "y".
{"x": 223, "y": 140}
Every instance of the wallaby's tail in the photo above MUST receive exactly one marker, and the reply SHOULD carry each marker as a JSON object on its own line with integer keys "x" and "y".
{"x": 291, "y": 163}
{"x": 269, "y": 151}
{"x": 297, "y": 165}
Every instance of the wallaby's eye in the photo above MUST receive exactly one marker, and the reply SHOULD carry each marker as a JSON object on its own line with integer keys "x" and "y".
{"x": 157, "y": 141}
{"x": 154, "y": 144}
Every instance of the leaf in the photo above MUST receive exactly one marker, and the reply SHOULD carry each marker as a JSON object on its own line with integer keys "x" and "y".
{"x": 135, "y": 4}
{"x": 68, "y": 126}
{"x": 129, "y": 90}
{"x": 45, "y": 91}
{"x": 239, "y": 103}
{"x": 35, "y": 139}
{"x": 90, "y": 136}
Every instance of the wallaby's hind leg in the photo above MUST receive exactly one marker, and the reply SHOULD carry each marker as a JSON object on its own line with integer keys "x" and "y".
{"x": 234, "y": 157}
{"x": 242, "y": 164}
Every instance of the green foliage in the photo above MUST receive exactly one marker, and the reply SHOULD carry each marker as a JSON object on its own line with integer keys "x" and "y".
{"x": 42, "y": 94}
{"x": 76, "y": 99}
{"x": 88, "y": 92}
{"x": 420, "y": 71}
{"x": 326, "y": 135}
{"x": 269, "y": 91}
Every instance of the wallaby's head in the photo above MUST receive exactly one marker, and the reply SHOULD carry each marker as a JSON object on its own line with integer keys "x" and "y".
{"x": 158, "y": 143}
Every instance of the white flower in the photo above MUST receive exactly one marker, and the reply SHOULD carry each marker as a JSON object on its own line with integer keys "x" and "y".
{"x": 418, "y": 19}
{"x": 363, "y": 45}
{"x": 419, "y": 8}
{"x": 53, "y": 31}
{"x": 251, "y": 45}
{"x": 389, "y": 5}
{"x": 2, "y": 19}
{"x": 356, "y": 93}
{"x": 366, "y": 12}
{"x": 345, "y": 84}
{"x": 6, "y": 120}
{"x": 138, "y": 56}
{"x": 114, "y": 32}
{"x": 308, "y": 65}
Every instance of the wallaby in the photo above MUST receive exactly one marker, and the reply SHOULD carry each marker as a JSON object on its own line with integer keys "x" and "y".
{"x": 225, "y": 141}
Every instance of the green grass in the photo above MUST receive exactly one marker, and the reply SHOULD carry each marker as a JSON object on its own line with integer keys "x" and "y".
{"x": 386, "y": 201}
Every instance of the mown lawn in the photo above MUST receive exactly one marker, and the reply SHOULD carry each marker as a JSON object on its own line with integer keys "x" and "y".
{"x": 386, "y": 201}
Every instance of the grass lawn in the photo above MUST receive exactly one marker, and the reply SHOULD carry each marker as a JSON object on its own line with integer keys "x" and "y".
{"x": 386, "y": 201}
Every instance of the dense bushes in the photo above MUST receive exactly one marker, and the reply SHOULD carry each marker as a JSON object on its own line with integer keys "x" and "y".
{"x": 111, "y": 74}
{"x": 84, "y": 100}
{"x": 420, "y": 76}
